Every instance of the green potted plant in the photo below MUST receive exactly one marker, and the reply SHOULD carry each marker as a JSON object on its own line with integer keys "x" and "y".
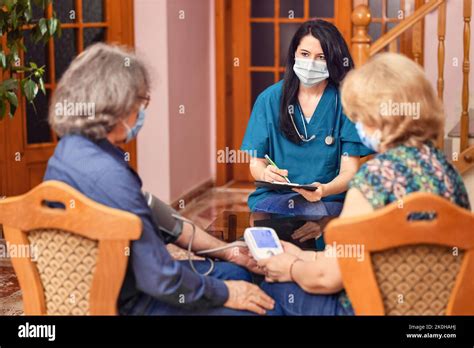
{"x": 16, "y": 16}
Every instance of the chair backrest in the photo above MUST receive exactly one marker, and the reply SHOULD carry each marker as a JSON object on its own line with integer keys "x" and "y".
{"x": 69, "y": 253}
{"x": 416, "y": 258}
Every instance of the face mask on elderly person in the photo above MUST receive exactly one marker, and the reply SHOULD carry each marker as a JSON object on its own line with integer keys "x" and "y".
{"x": 371, "y": 141}
{"x": 133, "y": 132}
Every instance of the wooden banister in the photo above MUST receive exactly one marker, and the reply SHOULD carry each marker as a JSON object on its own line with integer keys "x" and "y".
{"x": 417, "y": 42}
{"x": 467, "y": 9}
{"x": 362, "y": 50}
{"x": 466, "y": 160}
{"x": 393, "y": 46}
{"x": 405, "y": 25}
{"x": 361, "y": 18}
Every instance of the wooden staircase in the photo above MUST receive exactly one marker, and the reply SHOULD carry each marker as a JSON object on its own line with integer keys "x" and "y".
{"x": 363, "y": 48}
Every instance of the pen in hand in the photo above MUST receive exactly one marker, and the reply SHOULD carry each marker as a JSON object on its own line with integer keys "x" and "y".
{"x": 273, "y": 164}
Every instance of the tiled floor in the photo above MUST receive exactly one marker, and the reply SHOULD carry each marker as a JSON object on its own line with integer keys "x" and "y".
{"x": 202, "y": 211}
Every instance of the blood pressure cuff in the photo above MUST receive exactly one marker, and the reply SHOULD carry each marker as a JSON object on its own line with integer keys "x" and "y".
{"x": 169, "y": 227}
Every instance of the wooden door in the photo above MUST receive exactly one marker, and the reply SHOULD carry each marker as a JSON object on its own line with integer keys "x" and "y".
{"x": 260, "y": 32}
{"x": 26, "y": 141}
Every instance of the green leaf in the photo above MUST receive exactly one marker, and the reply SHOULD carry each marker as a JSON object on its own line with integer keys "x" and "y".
{"x": 53, "y": 25}
{"x": 36, "y": 35}
{"x": 9, "y": 4}
{"x": 13, "y": 99}
{"x": 41, "y": 85}
{"x": 3, "y": 59}
{"x": 14, "y": 19}
{"x": 28, "y": 12}
{"x": 30, "y": 88}
{"x": 10, "y": 85}
{"x": 43, "y": 25}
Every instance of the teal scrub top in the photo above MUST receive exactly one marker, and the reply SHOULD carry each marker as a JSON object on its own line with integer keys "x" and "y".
{"x": 306, "y": 162}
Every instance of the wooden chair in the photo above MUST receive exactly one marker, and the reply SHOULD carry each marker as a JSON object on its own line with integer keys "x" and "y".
{"x": 409, "y": 267}
{"x": 74, "y": 257}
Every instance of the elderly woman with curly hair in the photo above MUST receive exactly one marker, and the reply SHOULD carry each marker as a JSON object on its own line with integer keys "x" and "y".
{"x": 398, "y": 115}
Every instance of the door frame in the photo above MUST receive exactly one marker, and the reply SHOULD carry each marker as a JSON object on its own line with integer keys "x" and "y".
{"x": 14, "y": 175}
{"x": 230, "y": 83}
{"x": 224, "y": 78}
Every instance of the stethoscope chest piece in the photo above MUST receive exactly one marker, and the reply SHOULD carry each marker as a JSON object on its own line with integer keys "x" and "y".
{"x": 329, "y": 140}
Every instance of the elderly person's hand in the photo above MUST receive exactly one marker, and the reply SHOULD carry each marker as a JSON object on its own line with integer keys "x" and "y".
{"x": 247, "y": 296}
{"x": 242, "y": 257}
{"x": 278, "y": 268}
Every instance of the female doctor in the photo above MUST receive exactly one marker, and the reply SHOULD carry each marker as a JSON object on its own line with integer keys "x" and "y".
{"x": 298, "y": 122}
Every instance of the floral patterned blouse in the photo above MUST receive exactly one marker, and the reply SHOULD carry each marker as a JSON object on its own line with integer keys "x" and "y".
{"x": 403, "y": 170}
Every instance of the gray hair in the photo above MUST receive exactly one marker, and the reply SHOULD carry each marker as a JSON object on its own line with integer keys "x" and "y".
{"x": 101, "y": 87}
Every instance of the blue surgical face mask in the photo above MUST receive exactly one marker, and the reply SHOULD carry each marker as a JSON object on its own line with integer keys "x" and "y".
{"x": 370, "y": 141}
{"x": 133, "y": 132}
{"x": 310, "y": 72}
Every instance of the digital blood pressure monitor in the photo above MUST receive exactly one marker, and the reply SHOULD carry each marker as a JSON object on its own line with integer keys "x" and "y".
{"x": 263, "y": 242}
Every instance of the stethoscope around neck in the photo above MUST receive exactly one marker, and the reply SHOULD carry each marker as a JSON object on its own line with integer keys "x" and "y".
{"x": 329, "y": 140}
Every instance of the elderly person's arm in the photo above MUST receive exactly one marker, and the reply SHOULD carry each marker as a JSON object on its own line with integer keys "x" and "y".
{"x": 184, "y": 233}
{"x": 314, "y": 272}
{"x": 355, "y": 204}
{"x": 157, "y": 273}
{"x": 204, "y": 241}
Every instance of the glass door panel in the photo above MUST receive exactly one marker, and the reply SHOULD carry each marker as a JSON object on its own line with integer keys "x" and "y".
{"x": 83, "y": 24}
{"x": 322, "y": 8}
{"x": 291, "y": 9}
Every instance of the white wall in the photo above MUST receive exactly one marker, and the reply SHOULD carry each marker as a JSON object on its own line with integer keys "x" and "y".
{"x": 176, "y": 151}
{"x": 151, "y": 42}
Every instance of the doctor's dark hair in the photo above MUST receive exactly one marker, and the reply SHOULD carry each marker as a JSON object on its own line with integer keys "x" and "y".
{"x": 338, "y": 59}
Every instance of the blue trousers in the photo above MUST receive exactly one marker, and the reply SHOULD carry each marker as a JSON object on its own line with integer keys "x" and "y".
{"x": 223, "y": 271}
{"x": 290, "y": 299}
{"x": 294, "y": 204}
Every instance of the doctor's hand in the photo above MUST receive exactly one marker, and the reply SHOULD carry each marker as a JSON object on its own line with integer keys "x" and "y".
{"x": 272, "y": 173}
{"x": 312, "y": 196}
{"x": 247, "y": 296}
{"x": 311, "y": 229}
{"x": 277, "y": 268}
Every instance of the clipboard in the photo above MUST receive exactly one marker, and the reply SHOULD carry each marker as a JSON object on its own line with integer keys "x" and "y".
{"x": 283, "y": 186}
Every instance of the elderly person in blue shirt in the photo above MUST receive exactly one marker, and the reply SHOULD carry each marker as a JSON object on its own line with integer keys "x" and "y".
{"x": 88, "y": 158}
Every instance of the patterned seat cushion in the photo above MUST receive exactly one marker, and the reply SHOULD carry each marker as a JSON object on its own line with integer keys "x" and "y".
{"x": 66, "y": 263}
{"x": 417, "y": 279}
